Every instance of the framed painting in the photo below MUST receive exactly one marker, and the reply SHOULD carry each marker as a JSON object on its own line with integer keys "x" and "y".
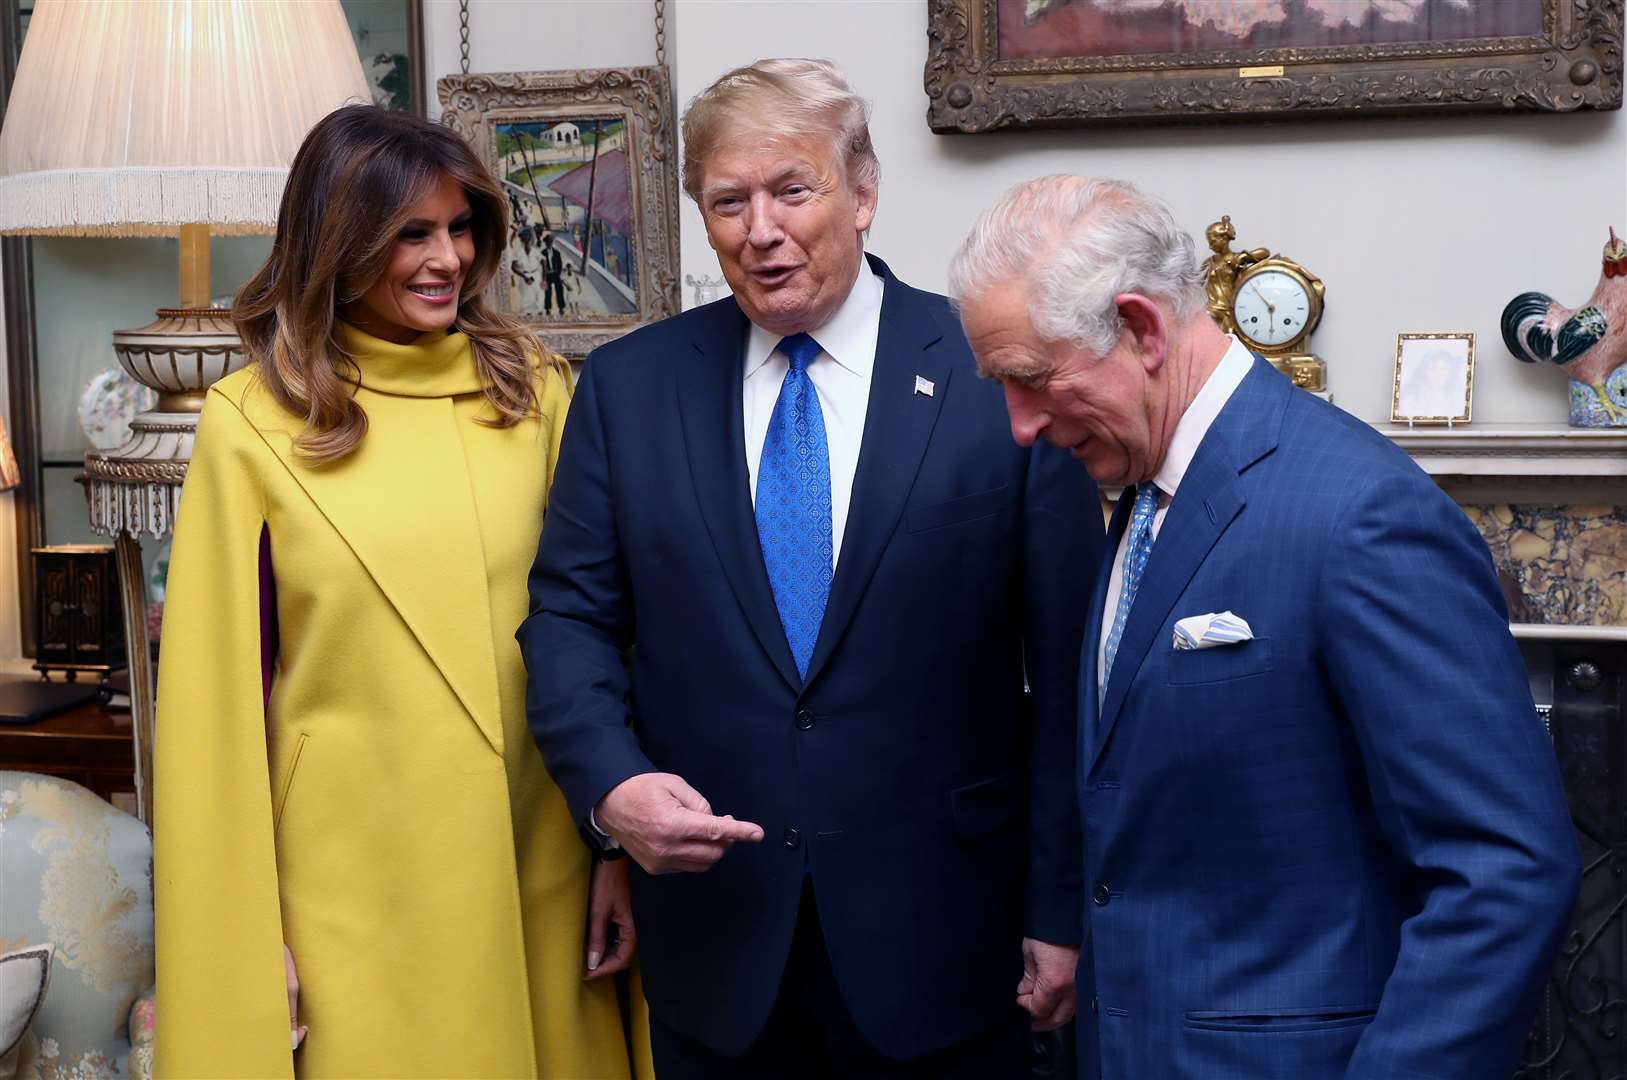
{"x": 1060, "y": 63}
{"x": 390, "y": 41}
{"x": 588, "y": 162}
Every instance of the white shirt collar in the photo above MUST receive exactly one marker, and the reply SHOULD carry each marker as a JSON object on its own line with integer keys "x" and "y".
{"x": 848, "y": 336}
{"x": 1194, "y": 424}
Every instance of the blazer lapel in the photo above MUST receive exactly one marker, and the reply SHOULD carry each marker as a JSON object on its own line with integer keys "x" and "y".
{"x": 1210, "y": 496}
{"x": 898, "y": 423}
{"x": 710, "y": 407}
{"x": 416, "y": 567}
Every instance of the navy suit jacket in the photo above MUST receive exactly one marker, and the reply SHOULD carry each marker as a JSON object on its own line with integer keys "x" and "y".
{"x": 1340, "y": 849}
{"x": 934, "y": 807}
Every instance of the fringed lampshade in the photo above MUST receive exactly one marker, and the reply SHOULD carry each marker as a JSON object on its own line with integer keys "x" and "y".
{"x": 134, "y": 119}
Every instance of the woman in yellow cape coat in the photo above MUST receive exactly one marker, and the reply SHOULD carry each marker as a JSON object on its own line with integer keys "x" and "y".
{"x": 385, "y": 812}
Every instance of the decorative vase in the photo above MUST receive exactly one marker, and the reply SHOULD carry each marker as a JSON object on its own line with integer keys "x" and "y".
{"x": 1586, "y": 409}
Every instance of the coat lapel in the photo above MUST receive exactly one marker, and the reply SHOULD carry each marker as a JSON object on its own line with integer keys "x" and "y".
{"x": 1210, "y": 496}
{"x": 898, "y": 423}
{"x": 711, "y": 409}
{"x": 416, "y": 566}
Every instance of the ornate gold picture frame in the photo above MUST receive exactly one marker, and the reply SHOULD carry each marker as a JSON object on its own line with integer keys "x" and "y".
{"x": 995, "y": 64}
{"x": 1434, "y": 378}
{"x": 588, "y": 161}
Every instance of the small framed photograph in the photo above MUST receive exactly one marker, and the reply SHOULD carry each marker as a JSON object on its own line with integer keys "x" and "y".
{"x": 1434, "y": 378}
{"x": 588, "y": 163}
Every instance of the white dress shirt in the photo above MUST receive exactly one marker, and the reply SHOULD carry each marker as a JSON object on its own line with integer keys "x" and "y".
{"x": 1190, "y": 429}
{"x": 840, "y": 376}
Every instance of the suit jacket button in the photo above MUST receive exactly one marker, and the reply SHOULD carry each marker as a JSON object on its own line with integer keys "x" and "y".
{"x": 804, "y": 719}
{"x": 1102, "y": 894}
{"x": 793, "y": 838}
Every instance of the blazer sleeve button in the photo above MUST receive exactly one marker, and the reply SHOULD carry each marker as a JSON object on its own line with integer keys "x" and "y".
{"x": 1102, "y": 894}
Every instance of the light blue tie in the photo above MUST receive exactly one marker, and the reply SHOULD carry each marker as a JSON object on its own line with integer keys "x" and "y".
{"x": 793, "y": 503}
{"x": 1135, "y": 561}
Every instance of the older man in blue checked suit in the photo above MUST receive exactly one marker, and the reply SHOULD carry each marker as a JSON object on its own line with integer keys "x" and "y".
{"x": 791, "y": 542}
{"x": 1324, "y": 831}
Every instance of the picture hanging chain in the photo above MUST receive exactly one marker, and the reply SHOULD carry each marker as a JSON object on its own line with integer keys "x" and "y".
{"x": 660, "y": 33}
{"x": 463, "y": 33}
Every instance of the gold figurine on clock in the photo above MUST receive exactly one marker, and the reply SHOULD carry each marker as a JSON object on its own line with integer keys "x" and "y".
{"x": 1271, "y": 303}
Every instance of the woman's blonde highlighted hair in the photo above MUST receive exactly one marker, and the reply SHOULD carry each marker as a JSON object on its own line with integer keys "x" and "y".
{"x": 352, "y": 188}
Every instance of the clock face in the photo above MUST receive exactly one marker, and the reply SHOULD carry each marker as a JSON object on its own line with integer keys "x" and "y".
{"x": 1272, "y": 308}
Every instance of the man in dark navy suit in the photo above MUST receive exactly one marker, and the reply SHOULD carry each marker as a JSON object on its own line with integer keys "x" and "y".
{"x": 793, "y": 576}
{"x": 553, "y": 273}
{"x": 1324, "y": 833}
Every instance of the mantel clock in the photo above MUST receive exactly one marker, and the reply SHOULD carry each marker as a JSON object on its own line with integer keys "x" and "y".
{"x": 1271, "y": 304}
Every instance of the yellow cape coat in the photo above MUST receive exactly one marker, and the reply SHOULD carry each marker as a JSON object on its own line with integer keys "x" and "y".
{"x": 388, "y": 816}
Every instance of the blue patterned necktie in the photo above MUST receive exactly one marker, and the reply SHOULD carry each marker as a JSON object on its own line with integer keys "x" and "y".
{"x": 1135, "y": 561}
{"x": 793, "y": 503}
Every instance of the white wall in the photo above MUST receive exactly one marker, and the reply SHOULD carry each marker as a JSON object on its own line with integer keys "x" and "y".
{"x": 1414, "y": 225}
{"x": 539, "y": 35}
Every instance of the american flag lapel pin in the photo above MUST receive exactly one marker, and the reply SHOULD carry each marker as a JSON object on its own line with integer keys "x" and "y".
{"x": 923, "y": 386}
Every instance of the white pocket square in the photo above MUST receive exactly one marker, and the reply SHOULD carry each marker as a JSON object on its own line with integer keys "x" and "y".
{"x": 1207, "y": 631}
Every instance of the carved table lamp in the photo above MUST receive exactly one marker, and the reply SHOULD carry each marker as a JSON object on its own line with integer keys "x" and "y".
{"x": 164, "y": 118}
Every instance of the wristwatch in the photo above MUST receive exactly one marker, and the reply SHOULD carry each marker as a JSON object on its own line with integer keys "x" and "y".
{"x": 604, "y": 845}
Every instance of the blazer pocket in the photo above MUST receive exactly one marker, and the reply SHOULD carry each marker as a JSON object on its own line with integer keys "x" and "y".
{"x": 1283, "y": 1021}
{"x": 988, "y": 805}
{"x": 1219, "y": 663}
{"x": 288, "y": 782}
{"x": 966, "y": 508}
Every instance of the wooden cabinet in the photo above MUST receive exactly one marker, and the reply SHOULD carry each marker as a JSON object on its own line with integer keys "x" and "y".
{"x": 87, "y": 745}
{"x": 76, "y": 604}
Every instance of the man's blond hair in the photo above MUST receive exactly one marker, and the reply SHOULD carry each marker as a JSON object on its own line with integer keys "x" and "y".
{"x": 783, "y": 98}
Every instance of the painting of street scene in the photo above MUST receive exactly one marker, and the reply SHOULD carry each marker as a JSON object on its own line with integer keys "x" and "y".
{"x": 571, "y": 253}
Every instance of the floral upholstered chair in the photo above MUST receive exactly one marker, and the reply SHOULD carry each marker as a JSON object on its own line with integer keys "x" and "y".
{"x": 77, "y": 876}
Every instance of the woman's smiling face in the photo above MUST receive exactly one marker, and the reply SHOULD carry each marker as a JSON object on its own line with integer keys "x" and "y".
{"x": 419, "y": 289}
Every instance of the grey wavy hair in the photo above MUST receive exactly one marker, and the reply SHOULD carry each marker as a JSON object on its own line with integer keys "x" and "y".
{"x": 785, "y": 98}
{"x": 1074, "y": 243}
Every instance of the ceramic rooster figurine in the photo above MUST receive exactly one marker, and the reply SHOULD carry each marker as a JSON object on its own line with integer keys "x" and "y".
{"x": 1590, "y": 343}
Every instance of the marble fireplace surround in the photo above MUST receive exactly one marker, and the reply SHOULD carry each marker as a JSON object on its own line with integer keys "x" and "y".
{"x": 1551, "y": 502}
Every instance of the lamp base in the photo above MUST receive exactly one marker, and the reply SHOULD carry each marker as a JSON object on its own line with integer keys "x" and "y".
{"x": 136, "y": 488}
{"x": 180, "y": 353}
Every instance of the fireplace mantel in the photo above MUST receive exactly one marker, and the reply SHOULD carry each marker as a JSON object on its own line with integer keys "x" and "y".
{"x": 1527, "y": 450}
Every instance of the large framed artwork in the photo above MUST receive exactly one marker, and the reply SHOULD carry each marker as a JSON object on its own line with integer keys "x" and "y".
{"x": 1052, "y": 63}
{"x": 588, "y": 162}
